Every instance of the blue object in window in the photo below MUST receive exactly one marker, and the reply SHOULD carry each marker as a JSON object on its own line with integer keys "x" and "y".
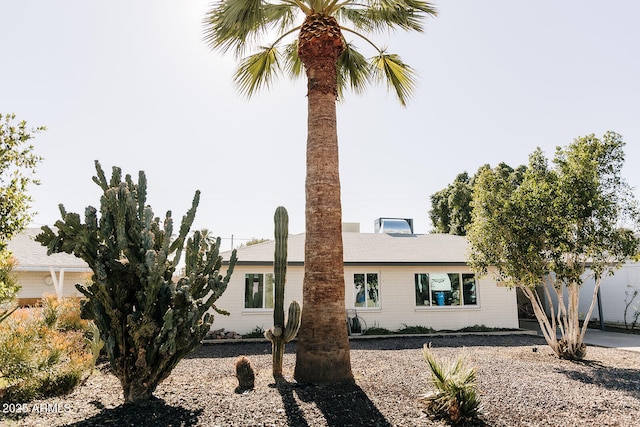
{"x": 440, "y": 298}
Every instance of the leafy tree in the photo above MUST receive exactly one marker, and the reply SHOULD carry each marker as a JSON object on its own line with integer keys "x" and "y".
{"x": 558, "y": 228}
{"x": 332, "y": 65}
{"x": 9, "y": 286}
{"x": 17, "y": 168}
{"x": 148, "y": 321}
{"x": 451, "y": 207}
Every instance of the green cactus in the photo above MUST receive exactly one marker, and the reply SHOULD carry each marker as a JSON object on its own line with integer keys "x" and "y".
{"x": 147, "y": 320}
{"x": 282, "y": 332}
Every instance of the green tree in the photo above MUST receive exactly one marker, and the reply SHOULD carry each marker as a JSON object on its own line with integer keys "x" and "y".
{"x": 451, "y": 207}
{"x": 561, "y": 226}
{"x": 17, "y": 168}
{"x": 332, "y": 65}
{"x": 9, "y": 286}
{"x": 148, "y": 321}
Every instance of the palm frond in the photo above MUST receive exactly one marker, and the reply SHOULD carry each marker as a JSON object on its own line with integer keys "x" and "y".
{"x": 354, "y": 71}
{"x": 381, "y": 15}
{"x": 293, "y": 65}
{"x": 398, "y": 75}
{"x": 237, "y": 24}
{"x": 281, "y": 16}
{"x": 257, "y": 71}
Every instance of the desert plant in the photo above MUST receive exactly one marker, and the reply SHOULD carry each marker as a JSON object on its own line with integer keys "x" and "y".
{"x": 454, "y": 396}
{"x": 148, "y": 321}
{"x": 257, "y": 332}
{"x": 63, "y": 314}
{"x": 282, "y": 332}
{"x": 94, "y": 342}
{"x": 8, "y": 284}
{"x": 416, "y": 329}
{"x": 245, "y": 374}
{"x": 39, "y": 360}
{"x": 378, "y": 330}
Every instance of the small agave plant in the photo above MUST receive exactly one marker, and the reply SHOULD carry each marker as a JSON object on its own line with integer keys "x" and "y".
{"x": 455, "y": 394}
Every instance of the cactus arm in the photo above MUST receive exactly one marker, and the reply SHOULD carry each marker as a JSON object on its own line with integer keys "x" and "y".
{"x": 293, "y": 321}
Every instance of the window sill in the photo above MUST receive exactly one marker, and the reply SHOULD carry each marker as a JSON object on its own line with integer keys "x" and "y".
{"x": 448, "y": 307}
{"x": 251, "y": 311}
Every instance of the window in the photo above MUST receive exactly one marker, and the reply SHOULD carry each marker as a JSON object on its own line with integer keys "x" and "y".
{"x": 258, "y": 290}
{"x": 366, "y": 290}
{"x": 445, "y": 289}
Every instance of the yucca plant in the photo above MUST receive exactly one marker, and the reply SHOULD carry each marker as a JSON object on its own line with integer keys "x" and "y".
{"x": 454, "y": 394}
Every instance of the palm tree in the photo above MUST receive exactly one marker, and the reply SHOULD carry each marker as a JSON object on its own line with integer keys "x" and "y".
{"x": 332, "y": 65}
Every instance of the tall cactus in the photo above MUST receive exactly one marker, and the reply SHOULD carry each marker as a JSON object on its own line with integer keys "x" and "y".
{"x": 282, "y": 332}
{"x": 148, "y": 321}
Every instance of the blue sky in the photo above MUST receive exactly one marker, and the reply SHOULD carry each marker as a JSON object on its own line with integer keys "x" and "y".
{"x": 130, "y": 83}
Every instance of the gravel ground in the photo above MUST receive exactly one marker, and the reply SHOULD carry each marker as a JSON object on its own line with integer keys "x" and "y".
{"x": 520, "y": 383}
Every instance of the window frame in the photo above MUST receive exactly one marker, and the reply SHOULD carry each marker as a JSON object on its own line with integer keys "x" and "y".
{"x": 459, "y": 295}
{"x": 267, "y": 279}
{"x": 367, "y": 291}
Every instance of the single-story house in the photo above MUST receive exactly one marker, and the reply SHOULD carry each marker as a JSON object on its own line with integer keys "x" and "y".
{"x": 40, "y": 274}
{"x": 391, "y": 279}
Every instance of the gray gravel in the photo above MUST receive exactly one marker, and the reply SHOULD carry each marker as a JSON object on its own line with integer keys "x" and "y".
{"x": 521, "y": 384}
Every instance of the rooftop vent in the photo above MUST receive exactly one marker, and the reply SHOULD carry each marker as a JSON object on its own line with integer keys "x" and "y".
{"x": 394, "y": 225}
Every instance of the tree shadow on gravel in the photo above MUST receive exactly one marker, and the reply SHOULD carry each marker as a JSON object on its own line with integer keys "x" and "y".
{"x": 237, "y": 347}
{"x": 232, "y": 349}
{"x": 149, "y": 414}
{"x": 295, "y": 417}
{"x": 621, "y": 379}
{"x": 342, "y": 405}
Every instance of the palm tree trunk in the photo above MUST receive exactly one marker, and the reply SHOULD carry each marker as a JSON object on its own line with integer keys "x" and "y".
{"x": 322, "y": 352}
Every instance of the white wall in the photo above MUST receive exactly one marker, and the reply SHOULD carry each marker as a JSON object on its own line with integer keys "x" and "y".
{"x": 612, "y": 294}
{"x": 38, "y": 284}
{"x": 496, "y": 305}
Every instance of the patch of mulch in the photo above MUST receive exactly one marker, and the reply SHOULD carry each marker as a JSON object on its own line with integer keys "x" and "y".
{"x": 520, "y": 383}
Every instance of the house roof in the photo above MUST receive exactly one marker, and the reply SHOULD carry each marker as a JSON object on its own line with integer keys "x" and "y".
{"x": 32, "y": 256}
{"x": 370, "y": 248}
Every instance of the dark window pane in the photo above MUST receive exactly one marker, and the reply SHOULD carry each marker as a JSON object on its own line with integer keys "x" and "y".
{"x": 469, "y": 289}
{"x": 422, "y": 289}
{"x": 373, "y": 298}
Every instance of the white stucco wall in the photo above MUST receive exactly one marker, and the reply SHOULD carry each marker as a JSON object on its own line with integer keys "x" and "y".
{"x": 496, "y": 306}
{"x": 612, "y": 294}
{"x": 39, "y": 283}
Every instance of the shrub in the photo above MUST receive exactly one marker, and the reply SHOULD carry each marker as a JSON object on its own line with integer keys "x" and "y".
{"x": 37, "y": 359}
{"x": 377, "y": 330}
{"x": 454, "y": 396}
{"x": 258, "y": 332}
{"x": 63, "y": 314}
{"x": 415, "y": 330}
{"x": 8, "y": 284}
